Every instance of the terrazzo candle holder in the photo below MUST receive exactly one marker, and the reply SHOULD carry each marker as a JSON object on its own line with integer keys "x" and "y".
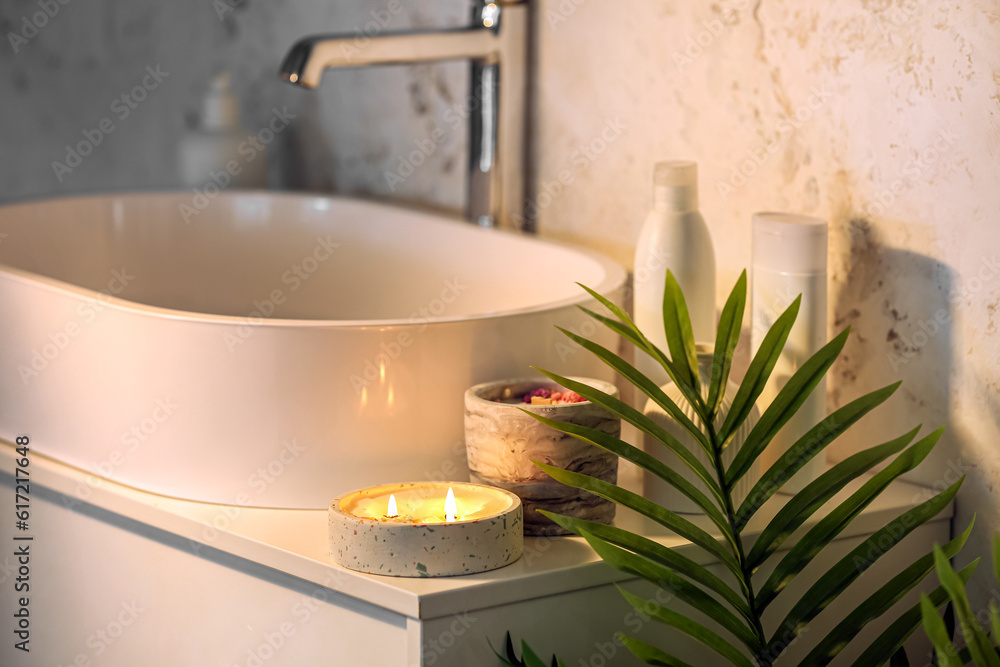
{"x": 483, "y": 532}
{"x": 501, "y": 441}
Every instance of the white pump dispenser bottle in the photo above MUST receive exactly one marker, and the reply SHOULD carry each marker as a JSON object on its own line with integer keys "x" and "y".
{"x": 674, "y": 237}
{"x": 218, "y": 153}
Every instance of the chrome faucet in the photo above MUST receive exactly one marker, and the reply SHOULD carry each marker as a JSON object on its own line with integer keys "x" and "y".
{"x": 496, "y": 43}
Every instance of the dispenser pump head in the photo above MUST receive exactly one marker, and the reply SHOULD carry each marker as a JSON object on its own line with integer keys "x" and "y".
{"x": 675, "y": 185}
{"x": 220, "y": 108}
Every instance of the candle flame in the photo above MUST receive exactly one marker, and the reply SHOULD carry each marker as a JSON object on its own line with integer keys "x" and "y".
{"x": 392, "y": 511}
{"x": 450, "y": 507}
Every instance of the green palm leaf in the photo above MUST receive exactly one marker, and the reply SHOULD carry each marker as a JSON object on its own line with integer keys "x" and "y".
{"x": 678, "y": 587}
{"x": 892, "y": 639}
{"x": 646, "y": 461}
{"x": 728, "y": 337}
{"x": 641, "y": 343}
{"x": 975, "y": 638}
{"x": 944, "y": 650}
{"x": 994, "y": 620}
{"x": 806, "y": 448}
{"x": 657, "y": 553}
{"x": 785, "y": 404}
{"x": 862, "y": 557}
{"x": 644, "y": 384}
{"x": 996, "y": 559}
{"x": 638, "y": 339}
{"x": 804, "y": 504}
{"x": 758, "y": 373}
{"x": 880, "y": 602}
{"x": 651, "y": 655}
{"x": 634, "y": 501}
{"x": 836, "y": 521}
{"x": 734, "y": 602}
{"x": 643, "y": 423}
{"x": 695, "y": 630}
{"x": 680, "y": 337}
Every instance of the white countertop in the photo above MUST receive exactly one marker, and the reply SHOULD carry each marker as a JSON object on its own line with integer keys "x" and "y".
{"x": 295, "y": 542}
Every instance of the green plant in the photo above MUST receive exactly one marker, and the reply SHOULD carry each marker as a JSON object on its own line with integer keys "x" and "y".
{"x": 528, "y": 657}
{"x": 981, "y": 647}
{"x": 738, "y": 633}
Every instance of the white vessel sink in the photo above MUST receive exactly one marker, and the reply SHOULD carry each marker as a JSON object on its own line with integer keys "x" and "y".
{"x": 274, "y": 350}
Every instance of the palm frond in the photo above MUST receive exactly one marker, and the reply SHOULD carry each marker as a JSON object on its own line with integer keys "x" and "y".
{"x": 736, "y": 603}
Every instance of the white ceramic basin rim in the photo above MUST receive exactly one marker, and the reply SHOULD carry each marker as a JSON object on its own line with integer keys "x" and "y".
{"x": 328, "y": 261}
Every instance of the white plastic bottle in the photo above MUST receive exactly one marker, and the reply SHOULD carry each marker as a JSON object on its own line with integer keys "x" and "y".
{"x": 218, "y": 150}
{"x": 674, "y": 237}
{"x": 667, "y": 495}
{"x": 789, "y": 259}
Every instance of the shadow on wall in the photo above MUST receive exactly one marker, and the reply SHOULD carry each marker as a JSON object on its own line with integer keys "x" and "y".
{"x": 900, "y": 307}
{"x": 903, "y": 308}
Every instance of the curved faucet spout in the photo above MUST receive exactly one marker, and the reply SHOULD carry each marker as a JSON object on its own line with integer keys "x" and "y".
{"x": 497, "y": 41}
{"x": 310, "y": 57}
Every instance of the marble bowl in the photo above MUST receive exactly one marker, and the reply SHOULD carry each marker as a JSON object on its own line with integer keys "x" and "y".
{"x": 501, "y": 441}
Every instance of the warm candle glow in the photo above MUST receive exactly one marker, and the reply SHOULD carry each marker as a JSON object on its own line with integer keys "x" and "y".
{"x": 439, "y": 529}
{"x": 426, "y": 503}
{"x": 450, "y": 507}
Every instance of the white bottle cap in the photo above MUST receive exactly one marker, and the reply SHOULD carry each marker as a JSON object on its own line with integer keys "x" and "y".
{"x": 789, "y": 243}
{"x": 675, "y": 185}
{"x": 220, "y": 109}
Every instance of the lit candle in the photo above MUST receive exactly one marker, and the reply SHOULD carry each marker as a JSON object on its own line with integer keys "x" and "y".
{"x": 426, "y": 529}
{"x": 426, "y": 503}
